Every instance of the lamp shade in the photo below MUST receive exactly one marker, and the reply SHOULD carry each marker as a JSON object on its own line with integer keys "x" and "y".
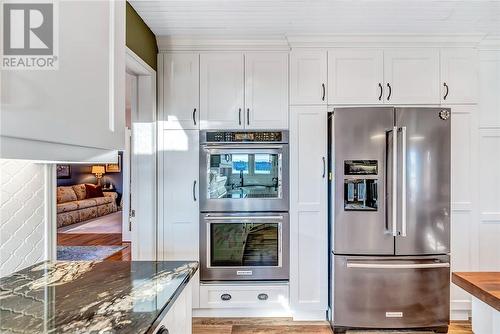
{"x": 97, "y": 169}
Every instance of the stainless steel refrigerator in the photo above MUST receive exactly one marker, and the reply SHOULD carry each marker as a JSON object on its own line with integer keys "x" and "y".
{"x": 390, "y": 215}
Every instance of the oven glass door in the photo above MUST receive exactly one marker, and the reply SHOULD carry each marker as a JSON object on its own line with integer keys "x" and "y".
{"x": 244, "y": 246}
{"x": 244, "y": 174}
{"x": 234, "y": 176}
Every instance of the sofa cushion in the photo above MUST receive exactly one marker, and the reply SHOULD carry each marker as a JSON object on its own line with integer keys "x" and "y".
{"x": 65, "y": 194}
{"x": 103, "y": 200}
{"x": 93, "y": 191}
{"x": 80, "y": 191}
{"x": 68, "y": 218}
{"x": 88, "y": 213}
{"x": 86, "y": 203}
{"x": 67, "y": 207}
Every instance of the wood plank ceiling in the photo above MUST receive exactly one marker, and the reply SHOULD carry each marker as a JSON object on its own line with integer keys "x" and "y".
{"x": 297, "y": 17}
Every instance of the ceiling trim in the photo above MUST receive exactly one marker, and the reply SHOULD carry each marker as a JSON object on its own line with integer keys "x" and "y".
{"x": 386, "y": 40}
{"x": 285, "y": 43}
{"x": 200, "y": 43}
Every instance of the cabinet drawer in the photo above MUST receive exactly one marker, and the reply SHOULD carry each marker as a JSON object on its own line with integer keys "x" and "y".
{"x": 247, "y": 296}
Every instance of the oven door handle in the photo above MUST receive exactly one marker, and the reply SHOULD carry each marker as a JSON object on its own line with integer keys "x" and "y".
{"x": 244, "y": 217}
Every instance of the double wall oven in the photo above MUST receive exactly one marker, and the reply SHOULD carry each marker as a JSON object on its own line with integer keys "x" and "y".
{"x": 244, "y": 205}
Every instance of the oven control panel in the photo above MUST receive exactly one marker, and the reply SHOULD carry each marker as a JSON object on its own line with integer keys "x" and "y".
{"x": 244, "y": 137}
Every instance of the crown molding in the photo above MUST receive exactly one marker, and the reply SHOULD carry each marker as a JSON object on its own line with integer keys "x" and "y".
{"x": 209, "y": 43}
{"x": 490, "y": 43}
{"x": 285, "y": 43}
{"x": 385, "y": 40}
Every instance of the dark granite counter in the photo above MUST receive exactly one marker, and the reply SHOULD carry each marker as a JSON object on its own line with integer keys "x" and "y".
{"x": 91, "y": 297}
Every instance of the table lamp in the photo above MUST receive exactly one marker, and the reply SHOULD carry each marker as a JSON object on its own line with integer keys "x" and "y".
{"x": 98, "y": 171}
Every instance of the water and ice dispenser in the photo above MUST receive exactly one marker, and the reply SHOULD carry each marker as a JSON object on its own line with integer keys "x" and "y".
{"x": 360, "y": 185}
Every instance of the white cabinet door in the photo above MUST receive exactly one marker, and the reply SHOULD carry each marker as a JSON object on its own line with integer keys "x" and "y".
{"x": 82, "y": 102}
{"x": 355, "y": 76}
{"x": 459, "y": 76}
{"x": 266, "y": 90}
{"x": 181, "y": 91}
{"x": 412, "y": 76}
{"x": 308, "y": 208}
{"x": 221, "y": 90}
{"x": 308, "y": 75}
{"x": 178, "y": 319}
{"x": 179, "y": 213}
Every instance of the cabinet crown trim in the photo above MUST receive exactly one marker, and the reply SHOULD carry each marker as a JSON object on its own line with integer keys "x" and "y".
{"x": 286, "y": 42}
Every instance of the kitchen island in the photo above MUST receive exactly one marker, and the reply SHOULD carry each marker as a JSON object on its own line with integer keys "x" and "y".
{"x": 485, "y": 290}
{"x": 98, "y": 297}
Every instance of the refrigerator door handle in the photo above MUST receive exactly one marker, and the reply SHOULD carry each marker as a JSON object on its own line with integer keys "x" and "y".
{"x": 361, "y": 265}
{"x": 394, "y": 181}
{"x": 403, "y": 182}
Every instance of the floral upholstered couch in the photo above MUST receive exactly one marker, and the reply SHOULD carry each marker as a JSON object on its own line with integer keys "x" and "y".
{"x": 74, "y": 204}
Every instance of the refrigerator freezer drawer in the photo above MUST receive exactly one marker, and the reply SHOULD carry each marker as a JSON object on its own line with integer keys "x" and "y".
{"x": 391, "y": 292}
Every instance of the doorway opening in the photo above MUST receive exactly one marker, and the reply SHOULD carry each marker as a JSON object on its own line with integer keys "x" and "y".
{"x": 99, "y": 207}
{"x": 89, "y": 209}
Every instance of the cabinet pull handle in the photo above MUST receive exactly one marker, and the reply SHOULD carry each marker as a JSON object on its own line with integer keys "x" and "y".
{"x": 262, "y": 296}
{"x": 225, "y": 297}
{"x": 239, "y": 116}
{"x": 194, "y": 116}
{"x": 248, "y": 116}
{"x": 162, "y": 330}
{"x": 194, "y": 190}
{"x": 381, "y": 91}
{"x": 390, "y": 91}
{"x": 447, "y": 91}
{"x": 324, "y": 92}
{"x": 324, "y": 167}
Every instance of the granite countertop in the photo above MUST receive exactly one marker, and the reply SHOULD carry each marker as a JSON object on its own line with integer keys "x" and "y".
{"x": 482, "y": 285}
{"x": 91, "y": 297}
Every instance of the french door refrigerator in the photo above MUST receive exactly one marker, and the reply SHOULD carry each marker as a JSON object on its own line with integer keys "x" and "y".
{"x": 391, "y": 218}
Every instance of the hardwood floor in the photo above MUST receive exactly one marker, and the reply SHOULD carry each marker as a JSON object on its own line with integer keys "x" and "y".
{"x": 286, "y": 325}
{"x": 97, "y": 239}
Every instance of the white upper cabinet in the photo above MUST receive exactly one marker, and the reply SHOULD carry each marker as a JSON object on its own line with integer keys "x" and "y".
{"x": 308, "y": 77}
{"x": 181, "y": 91}
{"x": 221, "y": 90}
{"x": 459, "y": 76}
{"x": 78, "y": 107}
{"x": 412, "y": 76}
{"x": 355, "y": 76}
{"x": 266, "y": 90}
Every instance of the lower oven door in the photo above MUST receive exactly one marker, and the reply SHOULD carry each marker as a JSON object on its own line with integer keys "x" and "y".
{"x": 391, "y": 292}
{"x": 244, "y": 246}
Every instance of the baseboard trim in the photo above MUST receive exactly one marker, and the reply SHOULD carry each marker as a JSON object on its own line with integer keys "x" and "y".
{"x": 460, "y": 309}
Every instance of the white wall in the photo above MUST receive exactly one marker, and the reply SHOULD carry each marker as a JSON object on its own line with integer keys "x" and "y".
{"x": 23, "y": 212}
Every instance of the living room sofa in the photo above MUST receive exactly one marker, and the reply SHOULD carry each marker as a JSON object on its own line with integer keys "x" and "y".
{"x": 74, "y": 206}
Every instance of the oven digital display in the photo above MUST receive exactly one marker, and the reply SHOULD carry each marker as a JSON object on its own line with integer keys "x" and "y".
{"x": 254, "y": 136}
{"x": 240, "y": 136}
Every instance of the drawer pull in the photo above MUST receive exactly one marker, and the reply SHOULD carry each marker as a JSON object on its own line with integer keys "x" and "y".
{"x": 263, "y": 296}
{"x": 225, "y": 297}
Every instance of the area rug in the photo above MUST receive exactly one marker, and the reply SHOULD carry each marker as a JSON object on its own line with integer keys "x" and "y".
{"x": 86, "y": 253}
{"x": 111, "y": 223}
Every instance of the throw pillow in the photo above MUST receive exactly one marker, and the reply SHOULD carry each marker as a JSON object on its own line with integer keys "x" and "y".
{"x": 65, "y": 194}
{"x": 93, "y": 191}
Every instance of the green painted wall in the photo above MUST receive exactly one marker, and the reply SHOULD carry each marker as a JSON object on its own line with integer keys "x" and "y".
{"x": 139, "y": 38}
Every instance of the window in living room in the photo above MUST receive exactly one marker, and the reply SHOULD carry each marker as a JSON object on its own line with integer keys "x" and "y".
{"x": 89, "y": 212}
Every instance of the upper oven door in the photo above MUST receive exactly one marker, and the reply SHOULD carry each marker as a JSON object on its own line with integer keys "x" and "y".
{"x": 243, "y": 177}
